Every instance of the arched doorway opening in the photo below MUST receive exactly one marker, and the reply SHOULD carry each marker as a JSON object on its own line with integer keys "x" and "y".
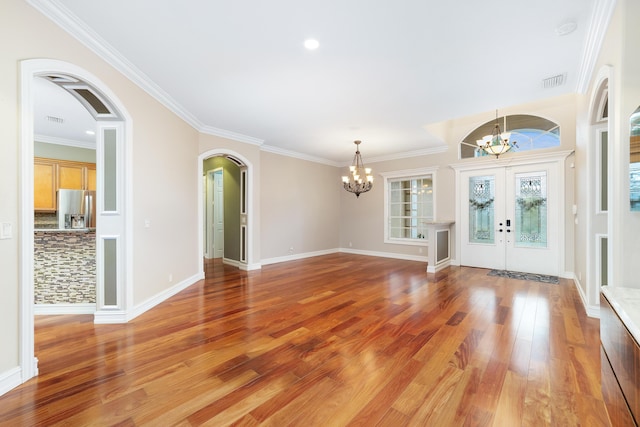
{"x": 113, "y": 220}
{"x": 237, "y": 200}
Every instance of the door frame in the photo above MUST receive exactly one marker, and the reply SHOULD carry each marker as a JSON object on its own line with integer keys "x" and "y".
{"x": 30, "y": 69}
{"x": 491, "y": 163}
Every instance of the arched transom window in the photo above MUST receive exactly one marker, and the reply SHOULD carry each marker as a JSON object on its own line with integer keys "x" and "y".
{"x": 527, "y": 133}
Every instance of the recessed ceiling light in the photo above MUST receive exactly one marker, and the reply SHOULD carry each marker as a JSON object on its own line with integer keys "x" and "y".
{"x": 311, "y": 44}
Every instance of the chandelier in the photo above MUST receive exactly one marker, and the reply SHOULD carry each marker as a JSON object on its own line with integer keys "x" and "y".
{"x": 497, "y": 143}
{"x": 360, "y": 180}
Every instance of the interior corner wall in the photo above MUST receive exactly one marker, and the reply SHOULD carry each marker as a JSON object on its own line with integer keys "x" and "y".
{"x": 300, "y": 207}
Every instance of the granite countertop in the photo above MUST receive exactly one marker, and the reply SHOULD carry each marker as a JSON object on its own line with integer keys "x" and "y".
{"x": 626, "y": 302}
{"x": 64, "y": 230}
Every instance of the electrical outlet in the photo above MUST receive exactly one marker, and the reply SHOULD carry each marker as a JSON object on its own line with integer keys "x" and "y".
{"x": 291, "y": 250}
{"x": 6, "y": 230}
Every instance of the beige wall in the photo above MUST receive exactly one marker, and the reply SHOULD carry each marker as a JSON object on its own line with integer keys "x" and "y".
{"x": 300, "y": 206}
{"x": 164, "y": 150}
{"x": 62, "y": 152}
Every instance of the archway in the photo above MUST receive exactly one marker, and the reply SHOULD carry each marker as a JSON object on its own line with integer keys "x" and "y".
{"x": 113, "y": 215}
{"x": 246, "y": 261}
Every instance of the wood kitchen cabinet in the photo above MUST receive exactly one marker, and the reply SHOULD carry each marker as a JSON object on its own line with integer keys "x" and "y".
{"x": 50, "y": 175}
{"x": 71, "y": 176}
{"x": 44, "y": 185}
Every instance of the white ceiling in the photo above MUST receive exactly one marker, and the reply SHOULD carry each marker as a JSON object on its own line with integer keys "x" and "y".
{"x": 383, "y": 71}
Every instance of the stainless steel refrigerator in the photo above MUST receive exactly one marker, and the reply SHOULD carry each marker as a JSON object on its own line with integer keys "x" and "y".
{"x": 76, "y": 209}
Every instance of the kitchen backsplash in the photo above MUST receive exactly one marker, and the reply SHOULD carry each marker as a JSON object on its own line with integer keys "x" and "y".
{"x": 45, "y": 220}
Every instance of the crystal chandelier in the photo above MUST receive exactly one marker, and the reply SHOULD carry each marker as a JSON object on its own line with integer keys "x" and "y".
{"x": 497, "y": 143}
{"x": 360, "y": 180}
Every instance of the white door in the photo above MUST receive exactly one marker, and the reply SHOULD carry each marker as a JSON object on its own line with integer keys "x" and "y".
{"x": 509, "y": 218}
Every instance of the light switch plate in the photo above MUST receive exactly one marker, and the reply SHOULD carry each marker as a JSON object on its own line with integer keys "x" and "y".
{"x": 6, "y": 231}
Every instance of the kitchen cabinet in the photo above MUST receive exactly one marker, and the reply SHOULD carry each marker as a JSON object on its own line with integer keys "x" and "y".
{"x": 44, "y": 185}
{"x": 71, "y": 176}
{"x": 50, "y": 175}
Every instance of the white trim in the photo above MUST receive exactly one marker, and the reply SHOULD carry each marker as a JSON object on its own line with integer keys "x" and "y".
{"x": 591, "y": 310}
{"x": 407, "y": 154}
{"x": 149, "y": 303}
{"x": 10, "y": 379}
{"x": 596, "y": 31}
{"x": 487, "y": 163}
{"x": 55, "y": 309}
{"x": 295, "y": 154}
{"x": 63, "y": 141}
{"x": 210, "y": 130}
{"x": 294, "y": 257}
{"x": 385, "y": 255}
{"x": 406, "y": 174}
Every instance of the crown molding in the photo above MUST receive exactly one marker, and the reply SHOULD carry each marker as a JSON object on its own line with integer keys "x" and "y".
{"x": 63, "y": 141}
{"x": 70, "y": 23}
{"x": 301, "y": 156}
{"x": 210, "y": 130}
{"x": 602, "y": 12}
{"x": 416, "y": 153}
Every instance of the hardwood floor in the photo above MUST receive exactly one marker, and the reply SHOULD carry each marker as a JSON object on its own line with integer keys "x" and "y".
{"x": 334, "y": 340}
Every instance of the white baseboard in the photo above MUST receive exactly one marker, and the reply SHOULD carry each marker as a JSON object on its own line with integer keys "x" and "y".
{"x": 592, "y": 310}
{"x": 294, "y": 257}
{"x": 119, "y": 316}
{"x": 385, "y": 255}
{"x": 46, "y": 309}
{"x": 10, "y": 379}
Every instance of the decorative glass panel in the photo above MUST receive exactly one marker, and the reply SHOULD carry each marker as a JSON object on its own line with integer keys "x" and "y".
{"x": 110, "y": 170}
{"x": 110, "y": 277}
{"x": 481, "y": 209}
{"x": 531, "y": 210}
{"x": 604, "y": 171}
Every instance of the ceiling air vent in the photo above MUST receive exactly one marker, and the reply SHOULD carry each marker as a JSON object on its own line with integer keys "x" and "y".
{"x": 554, "y": 81}
{"x": 54, "y": 119}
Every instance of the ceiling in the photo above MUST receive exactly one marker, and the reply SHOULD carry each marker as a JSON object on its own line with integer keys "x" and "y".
{"x": 382, "y": 73}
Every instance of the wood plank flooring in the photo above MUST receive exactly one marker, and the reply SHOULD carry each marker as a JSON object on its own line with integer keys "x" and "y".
{"x": 335, "y": 340}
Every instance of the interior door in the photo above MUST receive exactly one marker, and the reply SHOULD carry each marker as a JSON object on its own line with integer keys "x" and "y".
{"x": 509, "y": 218}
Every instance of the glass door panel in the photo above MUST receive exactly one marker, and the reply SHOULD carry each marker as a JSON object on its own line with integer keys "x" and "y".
{"x": 481, "y": 209}
{"x": 531, "y": 210}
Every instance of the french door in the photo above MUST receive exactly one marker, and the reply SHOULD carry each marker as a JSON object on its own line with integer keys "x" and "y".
{"x": 509, "y": 218}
